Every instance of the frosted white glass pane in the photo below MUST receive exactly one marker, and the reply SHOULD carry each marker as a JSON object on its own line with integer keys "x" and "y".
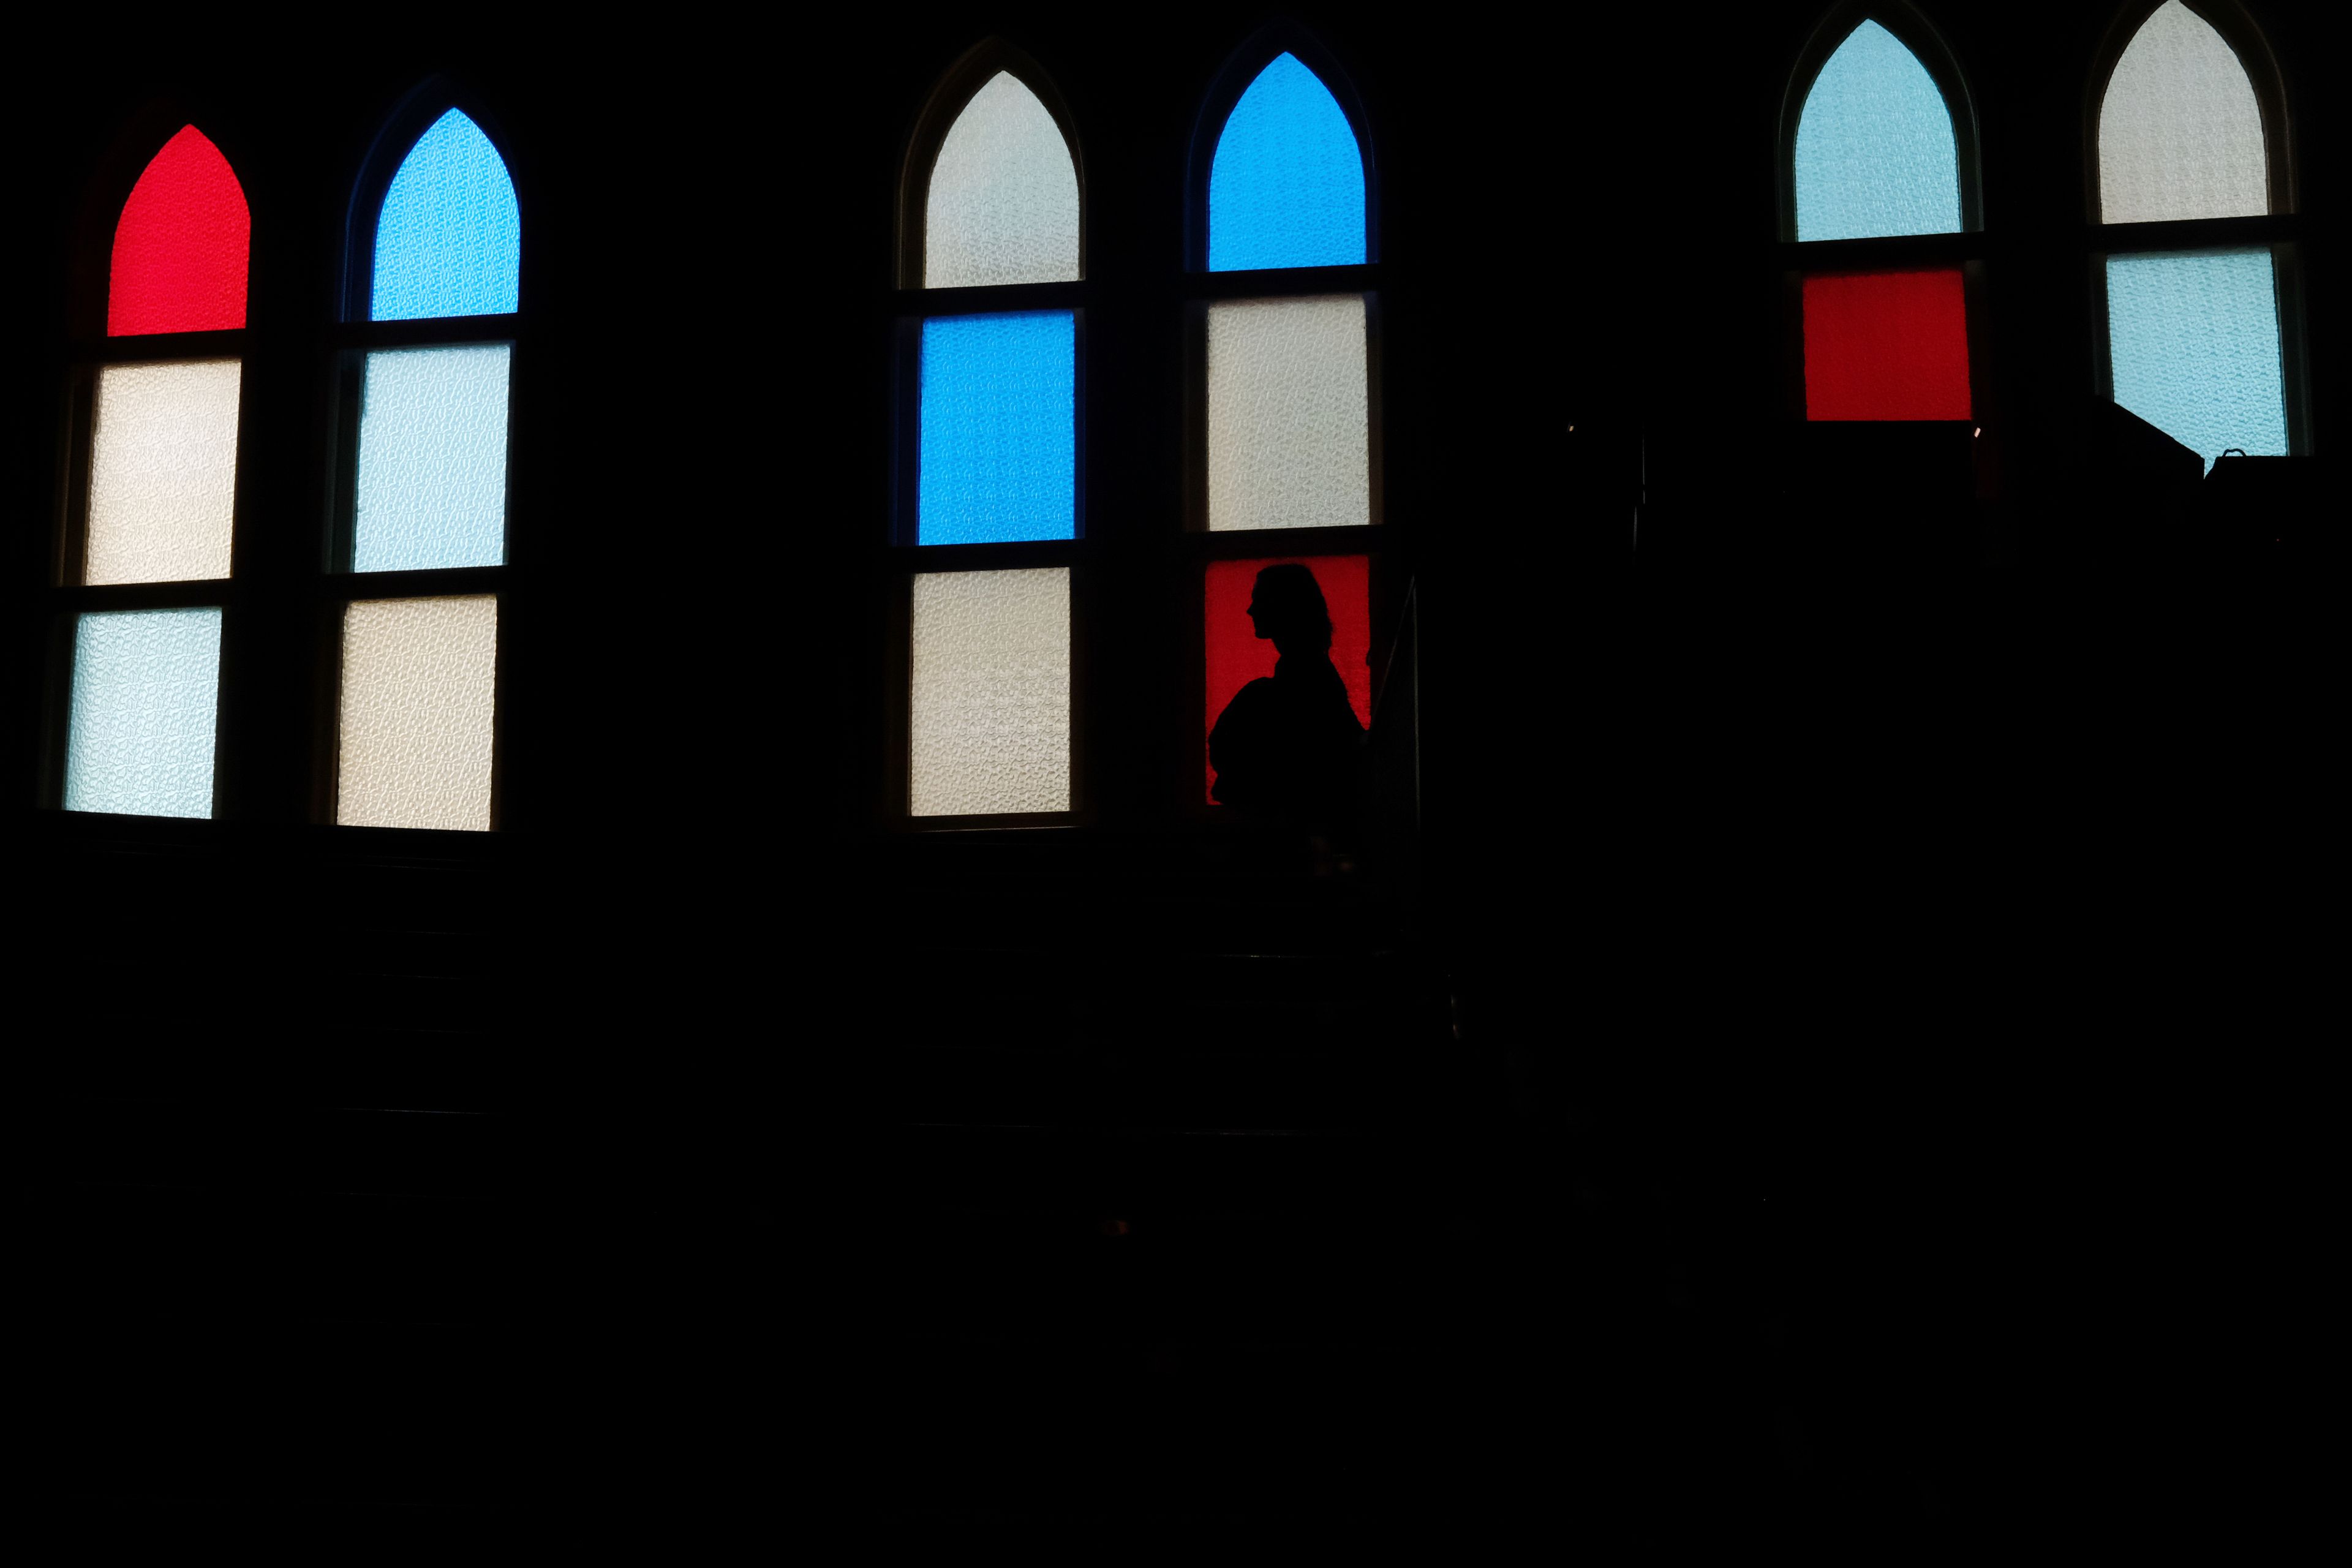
{"x": 992, "y": 693}
{"x": 2179, "y": 133}
{"x": 2193, "y": 345}
{"x": 162, "y": 472}
{"x": 419, "y": 691}
{"x": 1288, "y": 414}
{"x": 433, "y": 460}
{"x": 145, "y": 687}
{"x": 1875, "y": 148}
{"x": 1004, "y": 202}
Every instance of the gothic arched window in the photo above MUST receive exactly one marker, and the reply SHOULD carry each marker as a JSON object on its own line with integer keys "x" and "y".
{"x": 990, "y": 484}
{"x": 422, "y": 513}
{"x": 2193, "y": 336}
{"x": 151, "y": 500}
{"x": 1285, "y": 456}
{"x": 1878, "y": 147}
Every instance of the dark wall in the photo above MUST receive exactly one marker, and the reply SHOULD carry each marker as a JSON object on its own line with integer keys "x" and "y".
{"x": 1812, "y": 917}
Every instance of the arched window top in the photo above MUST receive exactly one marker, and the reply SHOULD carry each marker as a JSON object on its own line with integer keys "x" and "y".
{"x": 1002, "y": 205}
{"x": 2181, "y": 132}
{"x": 1286, "y": 186}
{"x": 1875, "y": 154}
{"x": 448, "y": 239}
{"x": 180, "y": 247}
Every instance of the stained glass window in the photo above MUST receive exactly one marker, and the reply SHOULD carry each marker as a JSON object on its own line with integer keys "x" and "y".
{"x": 1289, "y": 440}
{"x": 157, "y": 502}
{"x": 1286, "y": 186}
{"x": 416, "y": 717}
{"x": 448, "y": 239}
{"x": 1886, "y": 345}
{"x": 2193, "y": 345}
{"x": 1875, "y": 153}
{"x": 994, "y": 405}
{"x": 999, "y": 429}
{"x": 1238, "y": 656}
{"x": 991, "y": 712}
{"x": 1003, "y": 200}
{"x": 2180, "y": 134}
{"x": 140, "y": 733}
{"x": 181, "y": 243}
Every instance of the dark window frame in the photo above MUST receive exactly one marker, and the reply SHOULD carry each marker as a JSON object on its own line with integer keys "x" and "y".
{"x": 912, "y": 304}
{"x": 336, "y": 584}
{"x": 1380, "y": 541}
{"x": 89, "y": 351}
{"x": 2280, "y": 230}
{"x": 1964, "y": 250}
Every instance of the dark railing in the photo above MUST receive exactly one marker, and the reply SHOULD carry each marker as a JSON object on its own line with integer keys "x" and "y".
{"x": 1391, "y": 773}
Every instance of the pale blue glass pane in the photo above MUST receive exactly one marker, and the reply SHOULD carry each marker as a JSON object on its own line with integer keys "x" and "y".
{"x": 1875, "y": 148}
{"x": 449, "y": 239}
{"x": 433, "y": 460}
{"x": 140, "y": 738}
{"x": 1000, "y": 428}
{"x": 2193, "y": 343}
{"x": 1286, "y": 188}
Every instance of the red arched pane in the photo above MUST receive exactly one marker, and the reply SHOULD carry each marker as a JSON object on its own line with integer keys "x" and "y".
{"x": 179, "y": 246}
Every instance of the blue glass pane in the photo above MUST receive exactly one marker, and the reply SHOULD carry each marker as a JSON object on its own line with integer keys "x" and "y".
{"x": 1000, "y": 428}
{"x": 2193, "y": 343}
{"x": 140, "y": 735}
{"x": 1287, "y": 185}
{"x": 448, "y": 241}
{"x": 433, "y": 460}
{"x": 1875, "y": 148}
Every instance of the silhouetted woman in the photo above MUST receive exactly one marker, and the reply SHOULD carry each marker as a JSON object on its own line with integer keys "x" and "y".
{"x": 1286, "y": 746}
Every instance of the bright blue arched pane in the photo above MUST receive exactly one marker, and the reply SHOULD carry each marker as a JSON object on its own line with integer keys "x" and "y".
{"x": 1000, "y": 428}
{"x": 2193, "y": 343}
{"x": 1287, "y": 185}
{"x": 1874, "y": 149}
{"x": 449, "y": 239}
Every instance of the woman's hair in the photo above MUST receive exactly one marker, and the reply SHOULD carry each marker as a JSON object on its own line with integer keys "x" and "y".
{"x": 1290, "y": 603}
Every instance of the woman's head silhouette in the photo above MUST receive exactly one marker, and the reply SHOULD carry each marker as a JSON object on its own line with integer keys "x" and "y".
{"x": 1287, "y": 605}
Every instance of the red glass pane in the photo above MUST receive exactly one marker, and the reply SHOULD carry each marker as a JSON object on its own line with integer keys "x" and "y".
{"x": 1236, "y": 656}
{"x": 179, "y": 246}
{"x": 1886, "y": 345}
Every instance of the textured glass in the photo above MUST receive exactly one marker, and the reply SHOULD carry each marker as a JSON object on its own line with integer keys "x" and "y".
{"x": 1875, "y": 148}
{"x": 992, "y": 693}
{"x": 419, "y": 691}
{"x": 1286, "y": 188}
{"x": 2193, "y": 343}
{"x": 179, "y": 247}
{"x": 1288, "y": 414}
{"x": 162, "y": 472}
{"x": 1000, "y": 428}
{"x": 1886, "y": 345}
{"x": 2179, "y": 133}
{"x": 448, "y": 239}
{"x": 1004, "y": 202}
{"x": 433, "y": 460}
{"x": 140, "y": 740}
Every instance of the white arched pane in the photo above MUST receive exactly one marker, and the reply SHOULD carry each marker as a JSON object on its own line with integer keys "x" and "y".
{"x": 1004, "y": 202}
{"x": 2179, "y": 133}
{"x": 1874, "y": 149}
